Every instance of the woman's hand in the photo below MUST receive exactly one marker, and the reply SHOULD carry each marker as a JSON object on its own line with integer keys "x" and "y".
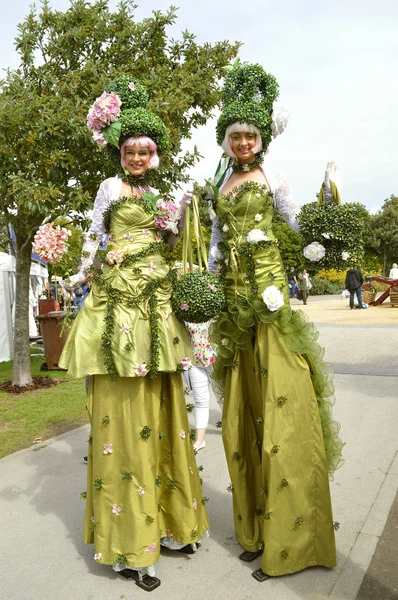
{"x": 186, "y": 200}
{"x": 75, "y": 280}
{"x": 332, "y": 173}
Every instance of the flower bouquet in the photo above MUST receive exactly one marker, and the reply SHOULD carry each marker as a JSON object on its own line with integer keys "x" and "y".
{"x": 50, "y": 242}
{"x": 198, "y": 295}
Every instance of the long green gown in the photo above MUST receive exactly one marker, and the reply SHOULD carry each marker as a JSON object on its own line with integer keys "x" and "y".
{"x": 279, "y": 437}
{"x": 142, "y": 480}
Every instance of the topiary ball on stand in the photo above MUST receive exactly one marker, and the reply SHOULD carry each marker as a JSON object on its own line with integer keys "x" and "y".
{"x": 198, "y": 297}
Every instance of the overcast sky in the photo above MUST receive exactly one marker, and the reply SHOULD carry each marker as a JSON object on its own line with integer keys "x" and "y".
{"x": 336, "y": 64}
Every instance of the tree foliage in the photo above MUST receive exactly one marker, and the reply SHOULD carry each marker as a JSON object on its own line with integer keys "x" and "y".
{"x": 49, "y": 165}
{"x": 382, "y": 233}
{"x": 290, "y": 243}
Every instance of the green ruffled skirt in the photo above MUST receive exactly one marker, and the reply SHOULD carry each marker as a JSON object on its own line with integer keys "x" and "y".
{"x": 280, "y": 440}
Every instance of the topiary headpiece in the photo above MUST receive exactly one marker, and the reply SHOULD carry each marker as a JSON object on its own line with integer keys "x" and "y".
{"x": 248, "y": 96}
{"x": 120, "y": 113}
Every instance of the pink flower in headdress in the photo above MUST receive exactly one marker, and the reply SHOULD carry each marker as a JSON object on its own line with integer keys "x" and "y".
{"x": 104, "y": 111}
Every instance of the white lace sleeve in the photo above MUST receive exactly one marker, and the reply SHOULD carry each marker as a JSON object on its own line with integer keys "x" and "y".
{"x": 214, "y": 253}
{"x": 284, "y": 201}
{"x": 95, "y": 234}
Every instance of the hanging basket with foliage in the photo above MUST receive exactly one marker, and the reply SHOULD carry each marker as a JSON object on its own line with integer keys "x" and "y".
{"x": 198, "y": 295}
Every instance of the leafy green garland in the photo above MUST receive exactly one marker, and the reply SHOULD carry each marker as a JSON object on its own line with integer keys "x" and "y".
{"x": 245, "y": 249}
{"x": 117, "y": 297}
{"x": 155, "y": 340}
{"x": 238, "y": 191}
{"x": 152, "y": 248}
{"x": 116, "y": 204}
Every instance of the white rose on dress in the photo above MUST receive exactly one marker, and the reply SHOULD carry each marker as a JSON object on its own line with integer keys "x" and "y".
{"x": 273, "y": 298}
{"x": 258, "y": 217}
{"x": 280, "y": 118}
{"x": 256, "y": 235}
{"x": 314, "y": 251}
{"x": 345, "y": 255}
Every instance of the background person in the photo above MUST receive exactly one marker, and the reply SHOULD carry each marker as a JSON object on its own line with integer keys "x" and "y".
{"x": 353, "y": 283}
{"x": 293, "y": 283}
{"x": 303, "y": 286}
{"x": 393, "y": 271}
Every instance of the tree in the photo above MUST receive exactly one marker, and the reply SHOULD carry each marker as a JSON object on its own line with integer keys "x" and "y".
{"x": 290, "y": 243}
{"x": 48, "y": 163}
{"x": 339, "y": 228}
{"x": 382, "y": 232}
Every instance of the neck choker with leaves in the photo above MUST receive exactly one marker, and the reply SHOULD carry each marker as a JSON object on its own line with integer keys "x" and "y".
{"x": 237, "y": 167}
{"x": 133, "y": 180}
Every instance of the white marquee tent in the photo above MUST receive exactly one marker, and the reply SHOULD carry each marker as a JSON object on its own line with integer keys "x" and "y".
{"x": 38, "y": 279}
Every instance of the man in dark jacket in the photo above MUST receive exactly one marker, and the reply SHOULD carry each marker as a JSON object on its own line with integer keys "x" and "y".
{"x": 353, "y": 283}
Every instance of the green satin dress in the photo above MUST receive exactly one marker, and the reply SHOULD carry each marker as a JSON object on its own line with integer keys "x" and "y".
{"x": 279, "y": 437}
{"x": 142, "y": 480}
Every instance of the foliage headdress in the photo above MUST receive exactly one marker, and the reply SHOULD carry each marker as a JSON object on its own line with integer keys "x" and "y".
{"x": 120, "y": 113}
{"x": 249, "y": 96}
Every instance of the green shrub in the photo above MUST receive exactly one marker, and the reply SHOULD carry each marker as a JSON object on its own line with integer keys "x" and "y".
{"x": 321, "y": 286}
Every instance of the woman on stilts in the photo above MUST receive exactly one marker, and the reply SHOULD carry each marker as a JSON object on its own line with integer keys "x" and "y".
{"x": 280, "y": 440}
{"x": 143, "y": 488}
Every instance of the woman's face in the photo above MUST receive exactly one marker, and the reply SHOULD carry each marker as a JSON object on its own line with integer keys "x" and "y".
{"x": 136, "y": 159}
{"x": 242, "y": 144}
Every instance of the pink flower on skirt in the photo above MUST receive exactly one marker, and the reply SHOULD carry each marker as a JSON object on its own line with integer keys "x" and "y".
{"x": 140, "y": 369}
{"x": 151, "y": 549}
{"x": 108, "y": 449}
{"x": 182, "y": 434}
{"x": 126, "y": 328}
{"x": 116, "y": 509}
{"x": 141, "y": 491}
{"x": 194, "y": 504}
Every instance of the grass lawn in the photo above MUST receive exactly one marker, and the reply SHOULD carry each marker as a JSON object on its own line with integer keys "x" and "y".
{"x": 42, "y": 413}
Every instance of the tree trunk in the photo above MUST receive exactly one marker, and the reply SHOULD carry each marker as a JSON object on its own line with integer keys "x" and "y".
{"x": 21, "y": 372}
{"x": 384, "y": 263}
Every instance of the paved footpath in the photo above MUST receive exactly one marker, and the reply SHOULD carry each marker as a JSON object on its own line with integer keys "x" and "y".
{"x": 42, "y": 555}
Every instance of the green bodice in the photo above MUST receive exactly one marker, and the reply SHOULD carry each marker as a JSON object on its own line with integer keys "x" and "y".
{"x": 127, "y": 319}
{"x": 249, "y": 266}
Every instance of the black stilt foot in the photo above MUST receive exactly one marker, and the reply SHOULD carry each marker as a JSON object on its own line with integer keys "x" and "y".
{"x": 188, "y": 549}
{"x": 247, "y": 556}
{"x": 260, "y": 576}
{"x": 146, "y": 582}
